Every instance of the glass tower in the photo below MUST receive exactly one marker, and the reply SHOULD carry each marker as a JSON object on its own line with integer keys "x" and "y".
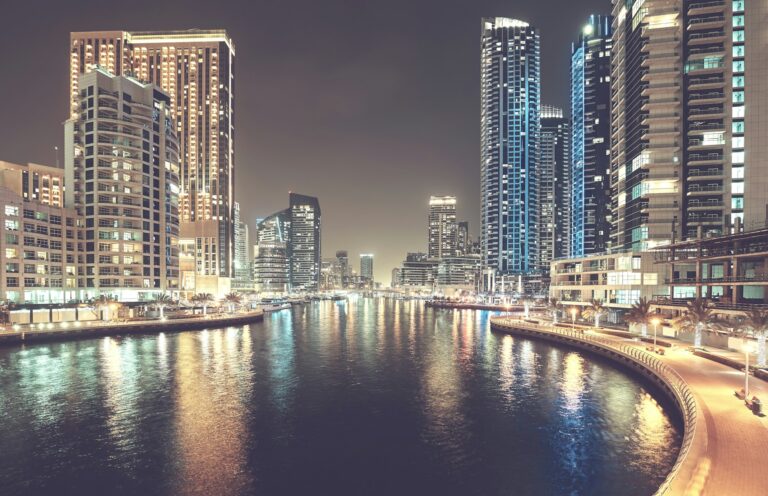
{"x": 510, "y": 93}
{"x": 591, "y": 160}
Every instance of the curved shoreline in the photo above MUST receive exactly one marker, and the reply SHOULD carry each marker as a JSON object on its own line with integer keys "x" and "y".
{"x": 88, "y": 330}
{"x": 651, "y": 368}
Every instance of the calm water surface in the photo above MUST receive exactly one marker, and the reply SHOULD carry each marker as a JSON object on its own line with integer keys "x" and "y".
{"x": 365, "y": 397}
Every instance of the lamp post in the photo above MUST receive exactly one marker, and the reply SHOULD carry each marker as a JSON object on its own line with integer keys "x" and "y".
{"x": 655, "y": 323}
{"x": 746, "y": 369}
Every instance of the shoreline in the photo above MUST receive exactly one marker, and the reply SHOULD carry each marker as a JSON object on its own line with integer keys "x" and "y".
{"x": 649, "y": 367}
{"x": 87, "y": 330}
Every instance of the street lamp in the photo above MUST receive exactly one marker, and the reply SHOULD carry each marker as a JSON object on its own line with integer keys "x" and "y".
{"x": 747, "y": 349}
{"x": 655, "y": 323}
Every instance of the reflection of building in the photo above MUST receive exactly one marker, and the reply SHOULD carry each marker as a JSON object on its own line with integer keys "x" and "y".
{"x": 122, "y": 168}
{"x": 590, "y": 199}
{"x": 554, "y": 185}
{"x": 304, "y": 243}
{"x": 442, "y": 226}
{"x": 195, "y": 68}
{"x": 366, "y": 269}
{"x": 729, "y": 270}
{"x": 510, "y": 87}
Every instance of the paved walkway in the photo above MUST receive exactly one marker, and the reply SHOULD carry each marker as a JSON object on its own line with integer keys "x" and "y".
{"x": 729, "y": 449}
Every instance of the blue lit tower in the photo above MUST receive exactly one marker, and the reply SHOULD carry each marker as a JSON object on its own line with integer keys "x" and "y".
{"x": 510, "y": 92}
{"x": 590, "y": 157}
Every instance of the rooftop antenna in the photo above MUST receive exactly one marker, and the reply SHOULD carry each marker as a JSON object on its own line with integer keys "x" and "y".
{"x": 56, "y": 152}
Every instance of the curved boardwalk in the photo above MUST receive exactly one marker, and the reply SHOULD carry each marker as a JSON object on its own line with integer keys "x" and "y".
{"x": 725, "y": 451}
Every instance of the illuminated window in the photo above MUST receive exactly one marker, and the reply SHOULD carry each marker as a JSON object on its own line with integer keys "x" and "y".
{"x": 737, "y": 142}
{"x": 737, "y": 188}
{"x": 737, "y": 173}
{"x": 737, "y": 203}
{"x": 737, "y": 157}
{"x": 10, "y": 210}
{"x": 738, "y": 112}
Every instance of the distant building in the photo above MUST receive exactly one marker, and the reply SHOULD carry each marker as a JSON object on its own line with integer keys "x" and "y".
{"x": 122, "y": 165}
{"x": 396, "y": 280}
{"x": 418, "y": 272}
{"x": 442, "y": 226}
{"x": 590, "y": 198}
{"x": 304, "y": 243}
{"x": 366, "y": 268}
{"x": 270, "y": 264}
{"x": 462, "y": 239}
{"x": 243, "y": 279}
{"x": 342, "y": 267}
{"x": 510, "y": 140}
{"x": 459, "y": 273}
{"x": 554, "y": 186}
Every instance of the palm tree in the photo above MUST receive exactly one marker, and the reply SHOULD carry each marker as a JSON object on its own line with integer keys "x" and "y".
{"x": 526, "y": 302}
{"x": 233, "y": 299}
{"x": 203, "y": 299}
{"x": 161, "y": 301}
{"x": 640, "y": 314}
{"x": 554, "y": 306}
{"x": 755, "y": 323}
{"x": 595, "y": 310}
{"x": 5, "y": 311}
{"x": 101, "y": 302}
{"x": 698, "y": 317}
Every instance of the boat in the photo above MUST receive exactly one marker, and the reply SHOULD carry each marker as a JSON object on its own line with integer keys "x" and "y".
{"x": 269, "y": 305}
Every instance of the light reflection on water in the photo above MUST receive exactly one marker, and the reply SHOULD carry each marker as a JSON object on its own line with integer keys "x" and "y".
{"x": 359, "y": 397}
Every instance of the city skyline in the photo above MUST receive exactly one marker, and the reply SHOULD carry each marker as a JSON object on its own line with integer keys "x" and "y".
{"x": 437, "y": 146}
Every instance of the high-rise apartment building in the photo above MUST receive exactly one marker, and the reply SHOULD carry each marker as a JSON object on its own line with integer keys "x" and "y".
{"x": 590, "y": 198}
{"x": 196, "y": 70}
{"x": 510, "y": 94}
{"x": 35, "y": 183}
{"x": 342, "y": 267}
{"x": 554, "y": 185}
{"x": 442, "y": 226}
{"x": 689, "y": 105}
{"x": 304, "y": 252}
{"x": 122, "y": 176}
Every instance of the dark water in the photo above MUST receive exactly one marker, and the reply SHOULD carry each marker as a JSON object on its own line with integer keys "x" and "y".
{"x": 367, "y": 397}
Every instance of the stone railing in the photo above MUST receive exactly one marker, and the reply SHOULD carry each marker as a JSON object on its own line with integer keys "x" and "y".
{"x": 674, "y": 384}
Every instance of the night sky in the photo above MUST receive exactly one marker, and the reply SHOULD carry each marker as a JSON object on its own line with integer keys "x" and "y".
{"x": 371, "y": 106}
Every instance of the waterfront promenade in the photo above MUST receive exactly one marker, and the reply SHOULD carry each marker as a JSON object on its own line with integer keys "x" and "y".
{"x": 725, "y": 449}
{"x": 88, "y": 329}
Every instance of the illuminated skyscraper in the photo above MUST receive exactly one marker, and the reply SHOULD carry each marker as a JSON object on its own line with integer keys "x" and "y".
{"x": 590, "y": 207}
{"x": 510, "y": 93}
{"x": 366, "y": 267}
{"x": 442, "y": 226}
{"x": 196, "y": 69}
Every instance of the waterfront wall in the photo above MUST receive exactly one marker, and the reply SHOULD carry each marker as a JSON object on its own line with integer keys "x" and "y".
{"x": 90, "y": 330}
{"x": 667, "y": 380}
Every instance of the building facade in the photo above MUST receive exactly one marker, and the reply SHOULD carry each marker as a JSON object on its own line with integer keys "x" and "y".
{"x": 590, "y": 198}
{"x": 510, "y": 95}
{"x": 442, "y": 226}
{"x": 41, "y": 239}
{"x": 122, "y": 162}
{"x": 270, "y": 258}
{"x": 196, "y": 70}
{"x": 243, "y": 271}
{"x": 554, "y": 185}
